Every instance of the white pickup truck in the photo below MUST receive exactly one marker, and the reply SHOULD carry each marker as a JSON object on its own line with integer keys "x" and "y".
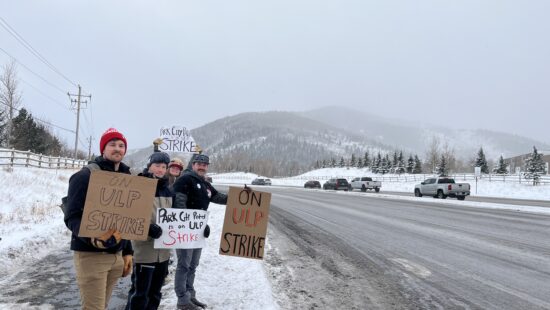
{"x": 364, "y": 183}
{"x": 442, "y": 187}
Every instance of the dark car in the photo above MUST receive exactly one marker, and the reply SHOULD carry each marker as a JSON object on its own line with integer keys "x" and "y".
{"x": 337, "y": 184}
{"x": 259, "y": 181}
{"x": 312, "y": 184}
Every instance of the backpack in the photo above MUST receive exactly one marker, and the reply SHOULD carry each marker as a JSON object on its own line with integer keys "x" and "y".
{"x": 64, "y": 207}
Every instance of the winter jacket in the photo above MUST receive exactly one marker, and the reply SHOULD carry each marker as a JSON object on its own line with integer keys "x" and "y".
{"x": 194, "y": 192}
{"x": 144, "y": 251}
{"x": 76, "y": 197}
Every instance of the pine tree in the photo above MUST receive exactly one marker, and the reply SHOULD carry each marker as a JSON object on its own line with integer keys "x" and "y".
{"x": 332, "y": 162}
{"x": 385, "y": 165}
{"x": 534, "y": 166}
{"x": 324, "y": 164}
{"x": 342, "y": 162}
{"x": 502, "y": 167}
{"x": 353, "y": 161}
{"x": 481, "y": 161}
{"x": 410, "y": 164}
{"x": 360, "y": 162}
{"x": 417, "y": 165}
{"x": 394, "y": 162}
{"x": 376, "y": 163}
{"x": 442, "y": 168}
{"x": 400, "y": 168}
{"x": 366, "y": 160}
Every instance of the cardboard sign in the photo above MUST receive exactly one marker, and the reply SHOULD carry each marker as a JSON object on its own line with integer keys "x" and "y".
{"x": 177, "y": 139}
{"x": 245, "y": 224}
{"x": 117, "y": 200}
{"x": 181, "y": 228}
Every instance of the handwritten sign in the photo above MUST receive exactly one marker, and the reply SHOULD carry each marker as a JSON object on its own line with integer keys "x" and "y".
{"x": 120, "y": 201}
{"x": 181, "y": 228}
{"x": 177, "y": 139}
{"x": 245, "y": 224}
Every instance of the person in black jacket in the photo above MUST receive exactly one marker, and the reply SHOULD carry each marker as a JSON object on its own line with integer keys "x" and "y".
{"x": 99, "y": 262}
{"x": 193, "y": 192}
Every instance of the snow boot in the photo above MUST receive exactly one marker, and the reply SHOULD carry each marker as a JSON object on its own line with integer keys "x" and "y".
{"x": 198, "y": 303}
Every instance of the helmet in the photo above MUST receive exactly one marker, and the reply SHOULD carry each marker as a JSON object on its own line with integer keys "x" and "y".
{"x": 200, "y": 158}
{"x": 158, "y": 158}
{"x": 176, "y": 162}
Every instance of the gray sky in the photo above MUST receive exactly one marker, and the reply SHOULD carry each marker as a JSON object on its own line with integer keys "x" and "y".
{"x": 474, "y": 64}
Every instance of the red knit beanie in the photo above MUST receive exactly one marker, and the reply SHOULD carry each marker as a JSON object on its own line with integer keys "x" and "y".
{"x": 109, "y": 135}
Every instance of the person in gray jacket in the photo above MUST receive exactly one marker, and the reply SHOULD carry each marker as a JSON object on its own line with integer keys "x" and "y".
{"x": 150, "y": 264}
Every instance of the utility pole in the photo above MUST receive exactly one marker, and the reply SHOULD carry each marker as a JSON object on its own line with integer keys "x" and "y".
{"x": 90, "y": 139}
{"x": 78, "y": 103}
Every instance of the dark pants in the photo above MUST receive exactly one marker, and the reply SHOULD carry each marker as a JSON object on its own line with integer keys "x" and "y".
{"x": 147, "y": 281}
{"x": 188, "y": 260}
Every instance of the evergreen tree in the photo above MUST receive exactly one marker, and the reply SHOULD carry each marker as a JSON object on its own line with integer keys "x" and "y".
{"x": 376, "y": 163}
{"x": 394, "y": 162}
{"x": 410, "y": 164}
{"x": 353, "y": 161}
{"x": 417, "y": 165}
{"x": 442, "y": 167}
{"x": 481, "y": 161}
{"x": 385, "y": 164}
{"x": 400, "y": 168}
{"x": 502, "y": 167}
{"x": 324, "y": 164}
{"x": 332, "y": 162}
{"x": 342, "y": 162}
{"x": 534, "y": 166}
{"x": 366, "y": 160}
{"x": 360, "y": 162}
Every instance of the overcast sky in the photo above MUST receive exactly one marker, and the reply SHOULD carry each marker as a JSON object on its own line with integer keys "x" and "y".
{"x": 147, "y": 64}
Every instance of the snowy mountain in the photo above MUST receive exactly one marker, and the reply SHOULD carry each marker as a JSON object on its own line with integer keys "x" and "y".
{"x": 288, "y": 143}
{"x": 416, "y": 137}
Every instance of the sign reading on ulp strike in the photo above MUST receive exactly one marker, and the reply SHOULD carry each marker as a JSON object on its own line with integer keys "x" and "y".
{"x": 245, "y": 224}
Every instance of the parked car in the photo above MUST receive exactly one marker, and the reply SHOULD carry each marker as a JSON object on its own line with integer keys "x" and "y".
{"x": 337, "y": 184}
{"x": 267, "y": 182}
{"x": 364, "y": 183}
{"x": 442, "y": 187}
{"x": 260, "y": 181}
{"x": 312, "y": 184}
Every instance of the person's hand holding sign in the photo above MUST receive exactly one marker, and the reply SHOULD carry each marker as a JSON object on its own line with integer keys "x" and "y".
{"x": 108, "y": 240}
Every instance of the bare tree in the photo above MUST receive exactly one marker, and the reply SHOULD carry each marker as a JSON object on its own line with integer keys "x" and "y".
{"x": 10, "y": 96}
{"x": 432, "y": 155}
{"x": 449, "y": 154}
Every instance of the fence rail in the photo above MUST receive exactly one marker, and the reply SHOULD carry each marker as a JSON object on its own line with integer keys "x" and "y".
{"x": 462, "y": 177}
{"x": 15, "y": 158}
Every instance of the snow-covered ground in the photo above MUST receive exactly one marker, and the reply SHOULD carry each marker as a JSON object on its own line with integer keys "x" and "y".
{"x": 31, "y": 226}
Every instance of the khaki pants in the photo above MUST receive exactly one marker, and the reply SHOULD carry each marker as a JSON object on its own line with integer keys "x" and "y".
{"x": 96, "y": 274}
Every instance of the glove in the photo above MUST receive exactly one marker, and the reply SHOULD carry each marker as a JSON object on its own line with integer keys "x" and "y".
{"x": 108, "y": 240}
{"x": 207, "y": 231}
{"x": 155, "y": 231}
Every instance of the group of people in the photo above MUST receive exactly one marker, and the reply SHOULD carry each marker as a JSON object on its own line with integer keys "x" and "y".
{"x": 100, "y": 262}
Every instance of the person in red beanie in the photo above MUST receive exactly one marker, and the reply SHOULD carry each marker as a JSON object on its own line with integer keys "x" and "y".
{"x": 99, "y": 262}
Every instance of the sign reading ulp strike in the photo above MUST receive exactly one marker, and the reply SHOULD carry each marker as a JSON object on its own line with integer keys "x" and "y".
{"x": 181, "y": 228}
{"x": 119, "y": 201}
{"x": 245, "y": 224}
{"x": 177, "y": 139}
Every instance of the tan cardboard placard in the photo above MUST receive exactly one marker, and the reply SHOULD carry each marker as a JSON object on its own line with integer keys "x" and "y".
{"x": 245, "y": 224}
{"x": 118, "y": 200}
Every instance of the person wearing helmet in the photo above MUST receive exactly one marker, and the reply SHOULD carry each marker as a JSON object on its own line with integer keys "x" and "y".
{"x": 175, "y": 167}
{"x": 193, "y": 192}
{"x": 150, "y": 264}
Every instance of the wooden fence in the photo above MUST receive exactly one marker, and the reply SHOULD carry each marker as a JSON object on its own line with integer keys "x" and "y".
{"x": 15, "y": 158}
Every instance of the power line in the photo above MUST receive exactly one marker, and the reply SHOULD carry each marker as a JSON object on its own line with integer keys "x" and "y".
{"x": 31, "y": 49}
{"x": 39, "y": 76}
{"x": 43, "y": 121}
{"x": 45, "y": 95}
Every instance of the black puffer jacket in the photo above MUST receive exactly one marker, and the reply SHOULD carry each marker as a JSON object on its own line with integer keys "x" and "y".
{"x": 78, "y": 187}
{"x": 194, "y": 192}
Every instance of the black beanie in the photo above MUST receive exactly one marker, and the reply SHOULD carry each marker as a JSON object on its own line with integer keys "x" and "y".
{"x": 158, "y": 158}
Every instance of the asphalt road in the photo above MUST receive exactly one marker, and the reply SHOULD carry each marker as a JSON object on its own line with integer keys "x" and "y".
{"x": 347, "y": 251}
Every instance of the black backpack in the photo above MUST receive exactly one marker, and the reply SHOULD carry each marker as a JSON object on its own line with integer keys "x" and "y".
{"x": 64, "y": 207}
